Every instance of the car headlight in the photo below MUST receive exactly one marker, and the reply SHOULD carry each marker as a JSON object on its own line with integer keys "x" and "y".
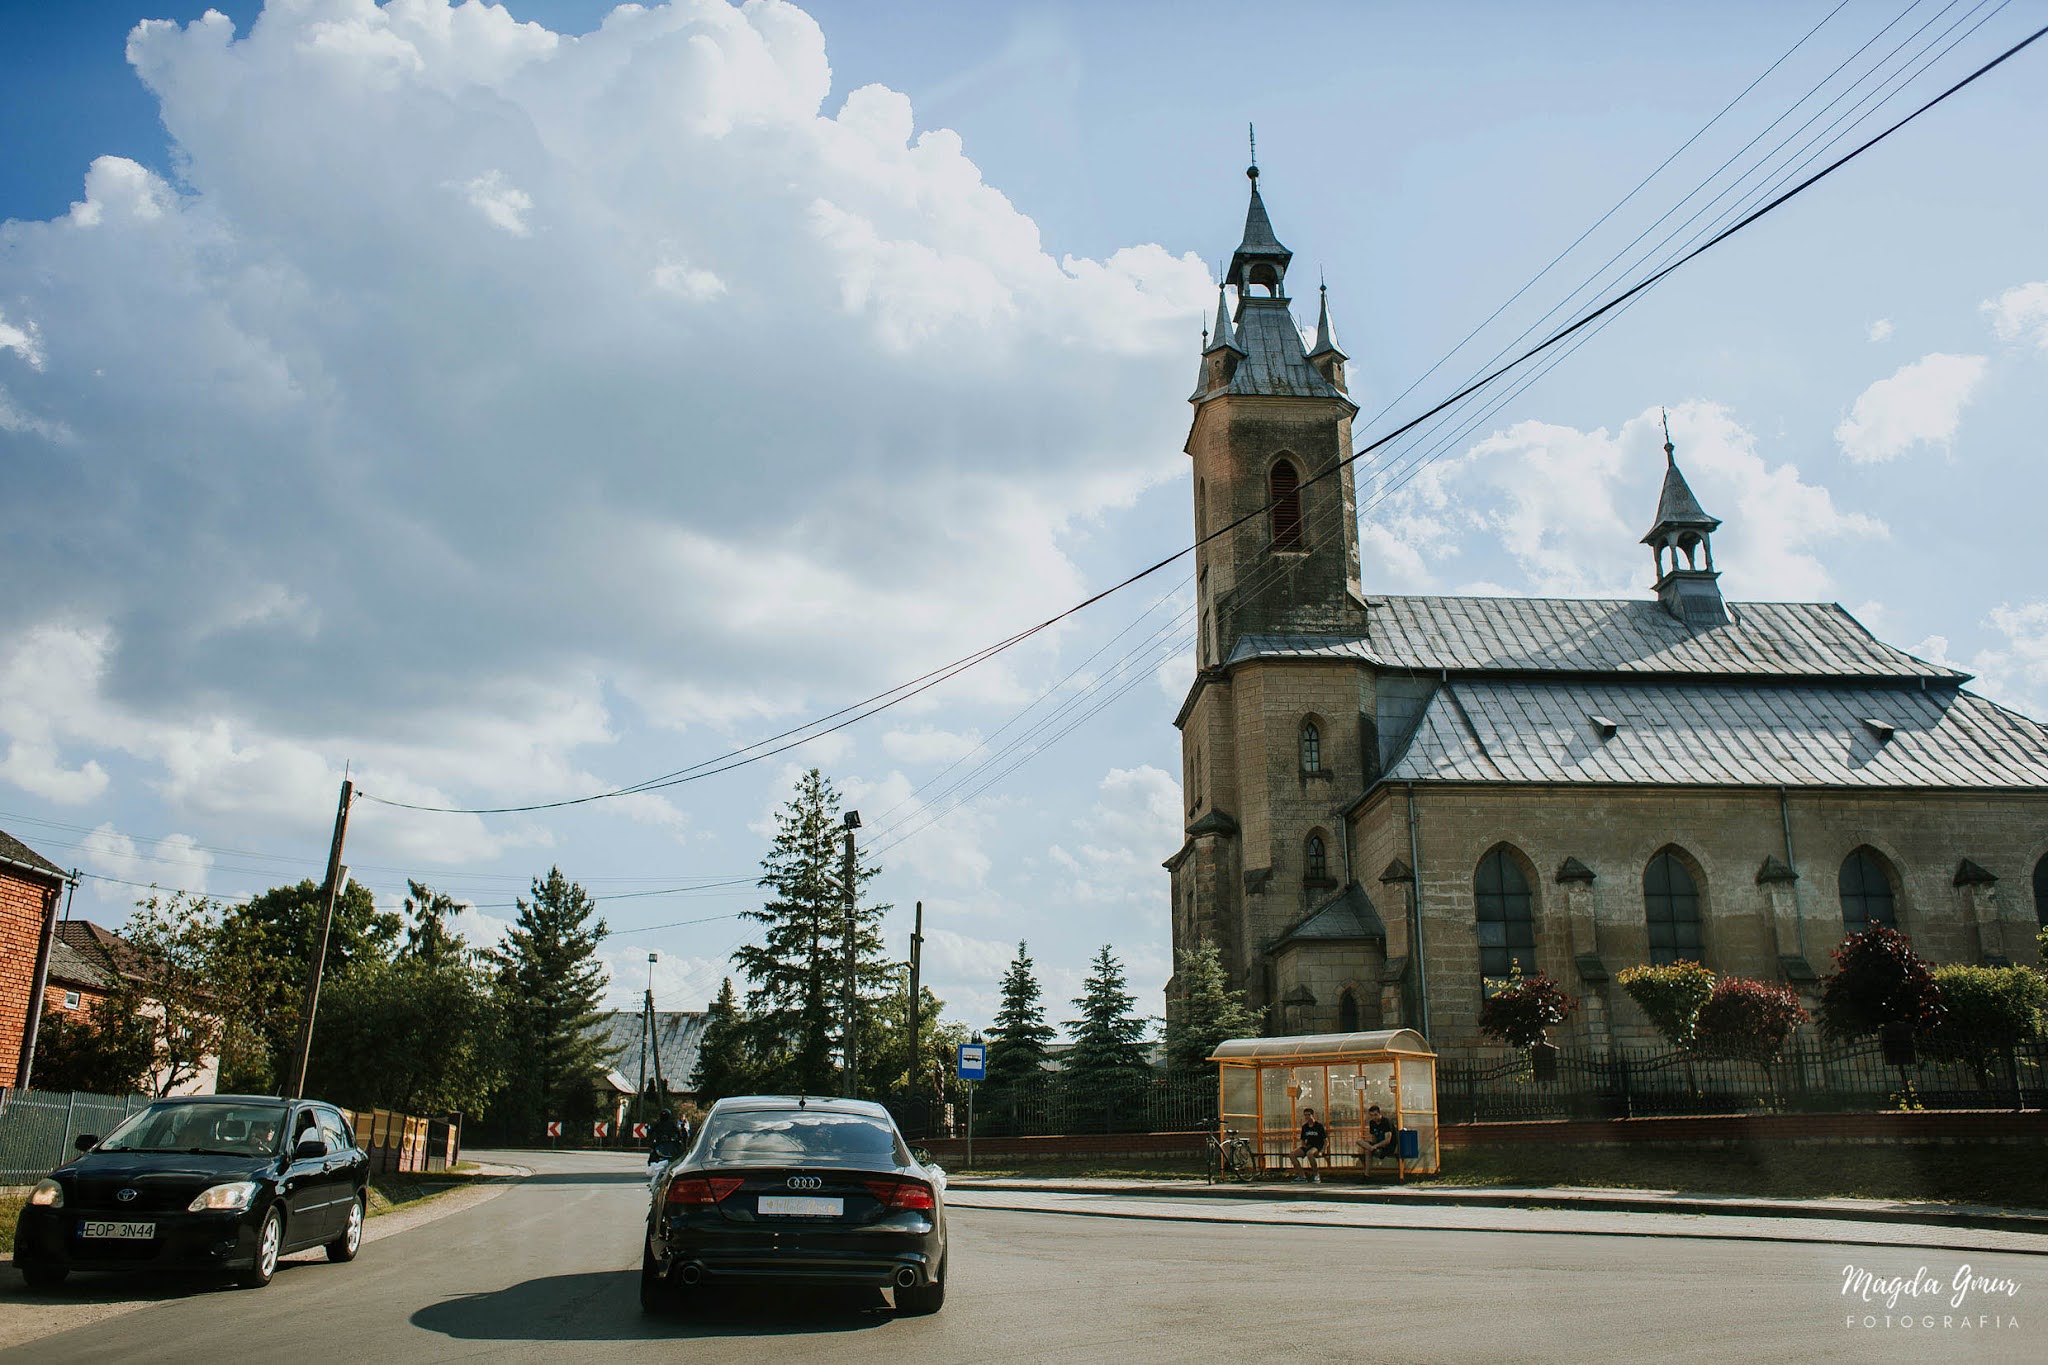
{"x": 48, "y": 1194}
{"x": 234, "y": 1195}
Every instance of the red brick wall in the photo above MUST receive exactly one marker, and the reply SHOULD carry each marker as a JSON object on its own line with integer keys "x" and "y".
{"x": 23, "y": 905}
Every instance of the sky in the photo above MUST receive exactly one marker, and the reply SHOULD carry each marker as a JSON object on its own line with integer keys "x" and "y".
{"x": 506, "y": 404}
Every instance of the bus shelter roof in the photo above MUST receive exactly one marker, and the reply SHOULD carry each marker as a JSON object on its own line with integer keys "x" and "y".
{"x": 1324, "y": 1046}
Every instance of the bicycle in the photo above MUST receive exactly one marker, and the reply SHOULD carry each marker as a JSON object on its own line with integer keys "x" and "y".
{"x": 1230, "y": 1157}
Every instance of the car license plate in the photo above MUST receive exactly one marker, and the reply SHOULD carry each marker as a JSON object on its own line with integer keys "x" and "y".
{"x": 120, "y": 1232}
{"x": 801, "y": 1206}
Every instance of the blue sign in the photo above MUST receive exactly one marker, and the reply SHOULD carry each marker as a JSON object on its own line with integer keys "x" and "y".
{"x": 973, "y": 1061}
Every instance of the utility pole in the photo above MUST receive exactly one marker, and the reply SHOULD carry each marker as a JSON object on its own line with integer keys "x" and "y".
{"x": 336, "y": 875}
{"x": 852, "y": 1025}
{"x": 646, "y": 1041}
{"x": 916, "y": 956}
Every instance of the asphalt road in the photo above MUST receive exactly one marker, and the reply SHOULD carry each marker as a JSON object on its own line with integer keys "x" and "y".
{"x": 548, "y": 1270}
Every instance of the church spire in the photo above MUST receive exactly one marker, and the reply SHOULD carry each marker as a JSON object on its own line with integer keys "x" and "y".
{"x": 1222, "y": 334}
{"x": 1260, "y": 261}
{"x": 1690, "y": 592}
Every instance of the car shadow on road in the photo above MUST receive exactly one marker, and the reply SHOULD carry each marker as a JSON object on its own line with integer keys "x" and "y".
{"x": 605, "y": 1306}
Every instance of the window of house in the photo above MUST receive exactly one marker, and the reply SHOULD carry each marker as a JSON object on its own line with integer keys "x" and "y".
{"x": 1866, "y": 894}
{"x": 1671, "y": 901}
{"x": 1285, "y": 494}
{"x": 1311, "y": 747}
{"x": 1505, "y": 912}
{"x": 2041, "y": 891}
{"x": 71, "y": 1000}
{"x": 1318, "y": 859}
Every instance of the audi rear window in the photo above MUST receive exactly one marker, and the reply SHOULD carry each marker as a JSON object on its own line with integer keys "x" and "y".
{"x": 783, "y": 1137}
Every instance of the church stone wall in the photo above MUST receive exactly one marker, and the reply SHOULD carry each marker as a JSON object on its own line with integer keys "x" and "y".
{"x": 1723, "y": 836}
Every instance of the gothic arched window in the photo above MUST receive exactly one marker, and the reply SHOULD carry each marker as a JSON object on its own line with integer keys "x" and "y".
{"x": 1866, "y": 894}
{"x": 1284, "y": 486}
{"x": 1201, "y": 508}
{"x": 1311, "y": 747}
{"x": 2041, "y": 891}
{"x": 1671, "y": 901}
{"x": 1347, "y": 1012}
{"x": 1318, "y": 859}
{"x": 1507, "y": 925}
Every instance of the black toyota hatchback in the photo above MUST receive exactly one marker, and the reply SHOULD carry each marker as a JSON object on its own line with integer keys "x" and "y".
{"x": 785, "y": 1187}
{"x": 208, "y": 1182}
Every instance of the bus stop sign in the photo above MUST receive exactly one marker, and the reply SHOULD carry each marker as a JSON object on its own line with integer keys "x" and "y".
{"x": 973, "y": 1061}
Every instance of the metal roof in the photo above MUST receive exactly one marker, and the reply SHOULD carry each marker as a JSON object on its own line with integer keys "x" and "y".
{"x": 1326, "y": 334}
{"x": 1347, "y": 916}
{"x": 1274, "y": 364}
{"x": 1628, "y": 635}
{"x": 1321, "y": 1045}
{"x": 1721, "y": 734}
{"x": 1677, "y": 508}
{"x": 678, "y": 1037}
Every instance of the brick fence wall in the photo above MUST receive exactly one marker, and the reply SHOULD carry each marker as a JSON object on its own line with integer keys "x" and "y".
{"x": 1963, "y": 1126}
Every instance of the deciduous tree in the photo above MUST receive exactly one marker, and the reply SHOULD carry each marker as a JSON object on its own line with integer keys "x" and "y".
{"x": 1878, "y": 980}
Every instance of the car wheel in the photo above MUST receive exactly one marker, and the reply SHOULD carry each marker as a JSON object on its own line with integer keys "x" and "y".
{"x": 269, "y": 1243}
{"x": 43, "y": 1276}
{"x": 923, "y": 1299}
{"x": 656, "y": 1294}
{"x": 344, "y": 1247}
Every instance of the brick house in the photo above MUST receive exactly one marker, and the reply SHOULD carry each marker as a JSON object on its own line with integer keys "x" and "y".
{"x": 30, "y": 887}
{"x": 1391, "y": 801}
{"x": 87, "y": 962}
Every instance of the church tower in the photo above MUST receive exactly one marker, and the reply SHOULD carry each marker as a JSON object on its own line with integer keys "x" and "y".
{"x": 1276, "y": 732}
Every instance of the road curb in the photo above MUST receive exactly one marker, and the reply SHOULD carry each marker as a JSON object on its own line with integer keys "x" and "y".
{"x": 1976, "y": 1220}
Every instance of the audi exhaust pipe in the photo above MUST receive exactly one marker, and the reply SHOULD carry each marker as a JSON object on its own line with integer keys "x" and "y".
{"x": 690, "y": 1274}
{"x": 906, "y": 1278}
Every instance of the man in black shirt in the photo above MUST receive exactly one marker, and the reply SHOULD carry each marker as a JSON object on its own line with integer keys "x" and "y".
{"x": 1379, "y": 1136}
{"x": 1315, "y": 1141}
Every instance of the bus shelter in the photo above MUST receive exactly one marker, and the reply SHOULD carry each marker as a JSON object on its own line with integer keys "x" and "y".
{"x": 1267, "y": 1082}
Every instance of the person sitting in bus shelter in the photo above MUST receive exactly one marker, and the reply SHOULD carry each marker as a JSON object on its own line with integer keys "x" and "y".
{"x": 1379, "y": 1136}
{"x": 1314, "y": 1144}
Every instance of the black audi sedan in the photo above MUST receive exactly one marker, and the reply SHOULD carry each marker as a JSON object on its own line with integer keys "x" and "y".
{"x": 794, "y": 1188}
{"x": 207, "y": 1182}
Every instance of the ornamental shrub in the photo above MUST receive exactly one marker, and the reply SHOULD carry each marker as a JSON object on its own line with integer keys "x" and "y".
{"x": 1878, "y": 980}
{"x": 1671, "y": 996}
{"x": 1985, "y": 1013}
{"x": 1748, "y": 1020}
{"x": 1519, "y": 1012}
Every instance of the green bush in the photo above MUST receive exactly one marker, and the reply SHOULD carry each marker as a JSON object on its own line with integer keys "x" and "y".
{"x": 1985, "y": 1013}
{"x": 1671, "y": 996}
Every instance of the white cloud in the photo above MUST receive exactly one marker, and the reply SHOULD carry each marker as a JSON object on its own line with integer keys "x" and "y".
{"x": 173, "y": 861}
{"x": 1921, "y": 404}
{"x": 1881, "y": 330}
{"x": 2015, "y": 673}
{"x": 471, "y": 381}
{"x": 1567, "y": 509}
{"x": 2021, "y": 313}
{"x": 928, "y": 745}
{"x": 1135, "y": 825}
{"x": 504, "y": 205}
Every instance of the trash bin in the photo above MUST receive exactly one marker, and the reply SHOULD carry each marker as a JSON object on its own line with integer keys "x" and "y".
{"x": 1410, "y": 1144}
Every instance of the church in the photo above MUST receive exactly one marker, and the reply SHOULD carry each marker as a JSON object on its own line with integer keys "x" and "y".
{"x": 1393, "y": 801}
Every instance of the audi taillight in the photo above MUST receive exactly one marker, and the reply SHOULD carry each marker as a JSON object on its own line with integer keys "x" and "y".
{"x": 701, "y": 1191}
{"x": 894, "y": 1195}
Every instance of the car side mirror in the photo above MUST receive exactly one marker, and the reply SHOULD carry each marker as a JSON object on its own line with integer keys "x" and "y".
{"x": 310, "y": 1149}
{"x": 85, "y": 1142}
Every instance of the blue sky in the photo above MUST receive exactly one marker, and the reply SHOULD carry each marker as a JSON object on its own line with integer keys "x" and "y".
{"x": 516, "y": 412}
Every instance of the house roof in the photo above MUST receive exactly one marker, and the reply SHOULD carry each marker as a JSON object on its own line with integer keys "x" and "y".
{"x": 678, "y": 1036}
{"x": 15, "y": 851}
{"x": 71, "y": 967}
{"x": 1431, "y": 634}
{"x": 1879, "y": 734}
{"x": 1349, "y": 915}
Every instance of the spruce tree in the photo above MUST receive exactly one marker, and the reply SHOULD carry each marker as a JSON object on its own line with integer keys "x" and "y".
{"x": 1017, "y": 1045}
{"x": 724, "y": 1066}
{"x": 797, "y": 973}
{"x": 1106, "y": 1070}
{"x": 1209, "y": 1010}
{"x": 549, "y": 983}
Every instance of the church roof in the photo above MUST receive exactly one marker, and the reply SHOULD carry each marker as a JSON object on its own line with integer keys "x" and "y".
{"x": 1348, "y": 915}
{"x": 1677, "y": 508}
{"x": 1720, "y": 733}
{"x": 1606, "y": 636}
{"x": 1275, "y": 363}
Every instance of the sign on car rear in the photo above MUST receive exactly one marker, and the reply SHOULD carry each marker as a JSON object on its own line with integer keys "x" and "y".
{"x": 799, "y": 1206}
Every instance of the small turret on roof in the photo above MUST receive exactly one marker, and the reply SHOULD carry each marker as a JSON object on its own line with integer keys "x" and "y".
{"x": 1326, "y": 334}
{"x": 1259, "y": 261}
{"x": 1689, "y": 590}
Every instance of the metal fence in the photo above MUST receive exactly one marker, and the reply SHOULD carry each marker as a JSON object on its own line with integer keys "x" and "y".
{"x": 1163, "y": 1103}
{"x": 39, "y": 1129}
{"x": 1810, "y": 1076}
